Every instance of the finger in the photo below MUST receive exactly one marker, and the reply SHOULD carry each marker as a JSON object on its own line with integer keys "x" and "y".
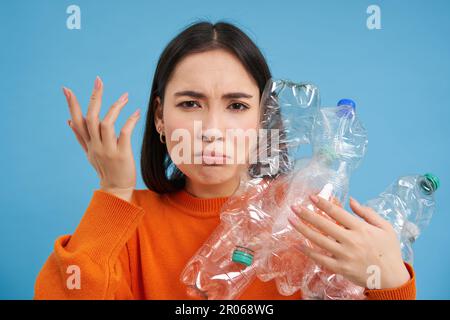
{"x": 127, "y": 129}
{"x": 92, "y": 118}
{"x": 337, "y": 213}
{"x": 368, "y": 214}
{"x": 78, "y": 120}
{"x": 317, "y": 238}
{"x": 321, "y": 223}
{"x": 336, "y": 202}
{"x": 109, "y": 139}
{"x": 321, "y": 259}
{"x": 78, "y": 136}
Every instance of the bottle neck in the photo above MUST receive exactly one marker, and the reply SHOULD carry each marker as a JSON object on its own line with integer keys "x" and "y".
{"x": 339, "y": 164}
{"x": 337, "y": 185}
{"x": 426, "y": 186}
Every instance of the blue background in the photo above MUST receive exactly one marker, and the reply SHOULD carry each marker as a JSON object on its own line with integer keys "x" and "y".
{"x": 398, "y": 75}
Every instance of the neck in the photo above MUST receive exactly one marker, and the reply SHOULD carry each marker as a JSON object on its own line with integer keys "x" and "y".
{"x": 200, "y": 190}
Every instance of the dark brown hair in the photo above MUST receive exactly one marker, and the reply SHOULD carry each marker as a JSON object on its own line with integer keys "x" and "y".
{"x": 158, "y": 171}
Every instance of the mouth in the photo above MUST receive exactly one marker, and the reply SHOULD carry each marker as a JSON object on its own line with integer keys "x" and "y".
{"x": 213, "y": 158}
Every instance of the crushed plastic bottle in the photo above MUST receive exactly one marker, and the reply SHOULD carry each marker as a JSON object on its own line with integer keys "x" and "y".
{"x": 339, "y": 143}
{"x": 408, "y": 204}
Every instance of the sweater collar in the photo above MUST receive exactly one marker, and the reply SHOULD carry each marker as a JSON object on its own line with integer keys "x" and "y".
{"x": 201, "y": 207}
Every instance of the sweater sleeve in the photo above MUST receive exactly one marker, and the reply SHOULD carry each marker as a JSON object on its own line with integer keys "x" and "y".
{"x": 405, "y": 292}
{"x": 93, "y": 263}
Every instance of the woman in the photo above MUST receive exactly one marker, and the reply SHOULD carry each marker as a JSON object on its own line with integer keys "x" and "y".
{"x": 133, "y": 244}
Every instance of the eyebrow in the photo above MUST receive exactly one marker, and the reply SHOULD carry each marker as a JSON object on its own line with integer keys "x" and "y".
{"x": 199, "y": 95}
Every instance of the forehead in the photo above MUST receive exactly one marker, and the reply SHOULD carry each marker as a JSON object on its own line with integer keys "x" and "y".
{"x": 212, "y": 72}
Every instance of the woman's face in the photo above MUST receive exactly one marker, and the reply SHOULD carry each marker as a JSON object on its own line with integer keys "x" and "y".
{"x": 210, "y": 108}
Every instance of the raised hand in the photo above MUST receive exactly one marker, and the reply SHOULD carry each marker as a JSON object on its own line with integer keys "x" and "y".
{"x": 111, "y": 156}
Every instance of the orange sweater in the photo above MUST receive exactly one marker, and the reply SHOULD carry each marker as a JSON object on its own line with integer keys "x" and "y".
{"x": 137, "y": 250}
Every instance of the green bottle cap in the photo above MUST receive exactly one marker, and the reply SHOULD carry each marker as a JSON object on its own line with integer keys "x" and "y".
{"x": 434, "y": 180}
{"x": 242, "y": 257}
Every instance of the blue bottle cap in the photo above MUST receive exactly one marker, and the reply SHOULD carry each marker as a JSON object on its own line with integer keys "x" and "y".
{"x": 347, "y": 102}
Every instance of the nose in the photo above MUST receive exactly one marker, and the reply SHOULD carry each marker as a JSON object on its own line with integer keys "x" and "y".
{"x": 212, "y": 125}
{"x": 208, "y": 138}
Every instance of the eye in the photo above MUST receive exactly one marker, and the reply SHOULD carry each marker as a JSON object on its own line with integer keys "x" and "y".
{"x": 238, "y": 107}
{"x": 188, "y": 104}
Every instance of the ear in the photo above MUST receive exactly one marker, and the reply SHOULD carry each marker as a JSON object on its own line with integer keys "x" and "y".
{"x": 159, "y": 121}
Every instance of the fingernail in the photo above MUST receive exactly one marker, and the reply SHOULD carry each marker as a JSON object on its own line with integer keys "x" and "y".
{"x": 98, "y": 82}
{"x": 291, "y": 220}
{"x": 295, "y": 207}
{"x": 123, "y": 97}
{"x": 314, "y": 198}
{"x": 66, "y": 93}
{"x": 137, "y": 112}
{"x": 356, "y": 202}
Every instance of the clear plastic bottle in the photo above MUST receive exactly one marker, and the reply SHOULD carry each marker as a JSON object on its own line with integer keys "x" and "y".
{"x": 408, "y": 204}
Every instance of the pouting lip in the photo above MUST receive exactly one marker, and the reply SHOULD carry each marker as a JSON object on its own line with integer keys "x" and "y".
{"x": 211, "y": 154}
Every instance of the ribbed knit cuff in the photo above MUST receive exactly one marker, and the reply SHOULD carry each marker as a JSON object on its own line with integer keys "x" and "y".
{"x": 106, "y": 226}
{"x": 405, "y": 292}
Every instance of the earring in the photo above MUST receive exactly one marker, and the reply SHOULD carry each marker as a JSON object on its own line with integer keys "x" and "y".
{"x": 161, "y": 135}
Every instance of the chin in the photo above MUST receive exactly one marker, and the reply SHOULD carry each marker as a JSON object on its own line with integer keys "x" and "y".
{"x": 214, "y": 174}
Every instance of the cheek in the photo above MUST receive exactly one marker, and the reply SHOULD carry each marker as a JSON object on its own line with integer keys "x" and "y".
{"x": 175, "y": 124}
{"x": 247, "y": 120}
{"x": 179, "y": 135}
{"x": 245, "y": 129}
{"x": 249, "y": 123}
